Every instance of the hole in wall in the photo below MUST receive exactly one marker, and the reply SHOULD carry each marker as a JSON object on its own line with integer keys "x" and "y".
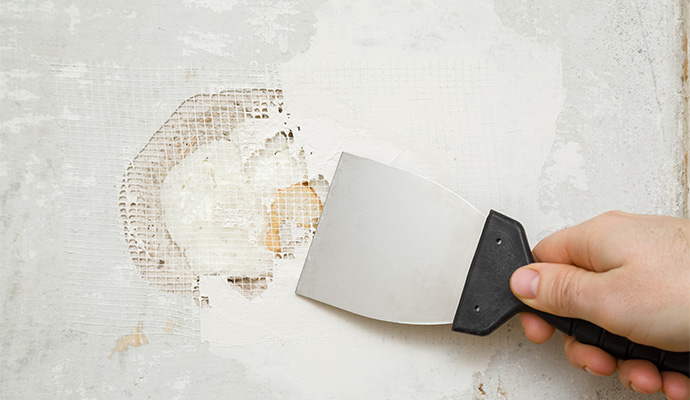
{"x": 212, "y": 194}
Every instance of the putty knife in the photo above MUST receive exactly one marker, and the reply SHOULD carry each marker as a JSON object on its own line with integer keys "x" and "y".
{"x": 394, "y": 246}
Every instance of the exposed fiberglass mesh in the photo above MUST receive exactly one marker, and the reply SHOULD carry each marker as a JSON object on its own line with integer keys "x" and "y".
{"x": 204, "y": 198}
{"x": 175, "y": 174}
{"x": 217, "y": 188}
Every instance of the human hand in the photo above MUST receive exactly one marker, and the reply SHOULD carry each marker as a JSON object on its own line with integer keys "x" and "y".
{"x": 629, "y": 274}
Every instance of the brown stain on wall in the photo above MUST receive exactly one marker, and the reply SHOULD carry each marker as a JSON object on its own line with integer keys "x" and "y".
{"x": 134, "y": 339}
{"x": 478, "y": 385}
{"x": 298, "y": 203}
{"x": 684, "y": 73}
{"x": 170, "y": 326}
{"x": 189, "y": 74}
{"x": 480, "y": 388}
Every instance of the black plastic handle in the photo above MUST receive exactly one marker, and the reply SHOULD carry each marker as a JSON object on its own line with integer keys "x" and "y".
{"x": 487, "y": 301}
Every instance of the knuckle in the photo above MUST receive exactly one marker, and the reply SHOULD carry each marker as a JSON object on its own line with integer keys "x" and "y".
{"x": 613, "y": 215}
{"x": 566, "y": 292}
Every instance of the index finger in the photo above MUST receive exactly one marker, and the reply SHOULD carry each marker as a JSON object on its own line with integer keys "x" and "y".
{"x": 587, "y": 245}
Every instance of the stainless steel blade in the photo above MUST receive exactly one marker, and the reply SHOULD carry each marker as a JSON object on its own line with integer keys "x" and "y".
{"x": 391, "y": 245}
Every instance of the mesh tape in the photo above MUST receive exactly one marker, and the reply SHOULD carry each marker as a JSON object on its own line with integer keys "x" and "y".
{"x": 224, "y": 161}
{"x": 198, "y": 124}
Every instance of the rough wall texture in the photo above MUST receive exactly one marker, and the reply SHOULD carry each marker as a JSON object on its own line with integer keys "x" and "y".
{"x": 686, "y": 97}
{"x": 624, "y": 98}
{"x": 622, "y": 116}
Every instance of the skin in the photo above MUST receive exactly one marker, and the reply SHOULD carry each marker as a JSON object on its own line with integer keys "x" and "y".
{"x": 629, "y": 274}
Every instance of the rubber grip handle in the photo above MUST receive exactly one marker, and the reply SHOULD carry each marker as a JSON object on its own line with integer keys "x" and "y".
{"x": 618, "y": 346}
{"x": 487, "y": 301}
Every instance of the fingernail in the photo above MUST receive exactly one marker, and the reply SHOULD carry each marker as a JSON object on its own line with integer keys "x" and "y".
{"x": 592, "y": 372}
{"x": 633, "y": 387}
{"x": 525, "y": 282}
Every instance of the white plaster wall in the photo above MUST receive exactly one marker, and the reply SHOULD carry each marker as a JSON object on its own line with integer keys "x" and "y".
{"x": 686, "y": 97}
{"x": 616, "y": 144}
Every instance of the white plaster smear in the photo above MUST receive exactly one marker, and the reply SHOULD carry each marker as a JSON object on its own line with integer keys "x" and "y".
{"x": 485, "y": 132}
{"x": 568, "y": 166}
{"x": 215, "y": 5}
{"x": 74, "y": 18}
{"x": 9, "y": 78}
{"x": 266, "y": 25}
{"x": 210, "y": 212}
{"x": 305, "y": 349}
{"x": 214, "y": 43}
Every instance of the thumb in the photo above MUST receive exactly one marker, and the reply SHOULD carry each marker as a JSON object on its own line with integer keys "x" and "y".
{"x": 559, "y": 289}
